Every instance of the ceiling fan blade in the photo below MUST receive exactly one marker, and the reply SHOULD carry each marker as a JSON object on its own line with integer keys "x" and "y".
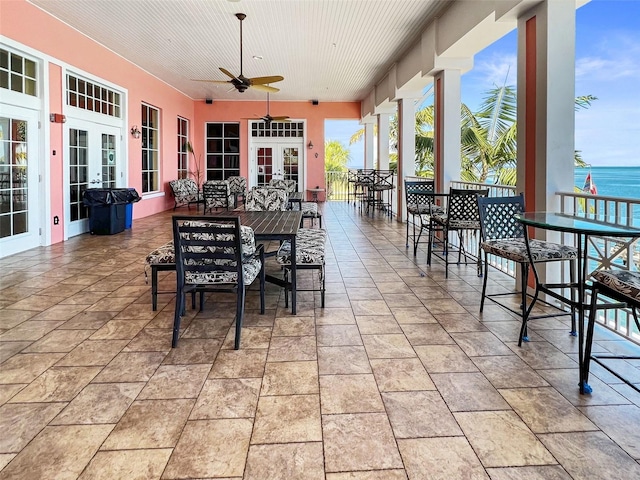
{"x": 210, "y": 81}
{"x": 264, "y": 80}
{"x": 280, "y": 119}
{"x": 265, "y": 88}
{"x": 227, "y": 72}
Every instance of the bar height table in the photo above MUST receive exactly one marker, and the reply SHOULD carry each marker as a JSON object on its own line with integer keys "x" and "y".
{"x": 582, "y": 227}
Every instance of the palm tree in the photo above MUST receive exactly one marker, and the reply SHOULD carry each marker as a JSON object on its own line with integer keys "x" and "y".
{"x": 336, "y": 156}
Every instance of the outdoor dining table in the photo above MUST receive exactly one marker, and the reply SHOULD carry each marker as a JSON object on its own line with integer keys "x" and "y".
{"x": 582, "y": 227}
{"x": 274, "y": 225}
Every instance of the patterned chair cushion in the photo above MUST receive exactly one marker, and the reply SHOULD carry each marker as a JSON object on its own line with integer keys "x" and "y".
{"x": 441, "y": 218}
{"x": 266, "y": 199}
{"x": 424, "y": 209}
{"x": 247, "y": 237}
{"x": 212, "y": 198}
{"x": 237, "y": 184}
{"x": 516, "y": 249}
{"x": 184, "y": 190}
{"x": 310, "y": 246}
{"x": 622, "y": 281}
{"x": 309, "y": 209}
{"x": 250, "y": 270}
{"x": 163, "y": 254}
{"x": 166, "y": 253}
{"x": 288, "y": 185}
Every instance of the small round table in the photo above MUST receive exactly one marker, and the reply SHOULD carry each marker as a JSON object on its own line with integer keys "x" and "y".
{"x": 314, "y": 193}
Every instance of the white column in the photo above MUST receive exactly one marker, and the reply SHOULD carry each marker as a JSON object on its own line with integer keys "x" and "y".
{"x": 368, "y": 143}
{"x": 546, "y": 102}
{"x": 447, "y": 161}
{"x": 406, "y": 149}
{"x": 384, "y": 120}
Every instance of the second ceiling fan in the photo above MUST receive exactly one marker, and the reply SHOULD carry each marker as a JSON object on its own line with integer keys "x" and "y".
{"x": 268, "y": 118}
{"x": 240, "y": 82}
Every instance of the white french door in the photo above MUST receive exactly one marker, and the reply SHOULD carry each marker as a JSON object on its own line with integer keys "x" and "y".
{"x": 277, "y": 160}
{"x": 93, "y": 160}
{"x": 19, "y": 185}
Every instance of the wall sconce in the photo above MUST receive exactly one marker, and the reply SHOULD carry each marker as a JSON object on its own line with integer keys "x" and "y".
{"x": 310, "y": 145}
{"x": 135, "y": 133}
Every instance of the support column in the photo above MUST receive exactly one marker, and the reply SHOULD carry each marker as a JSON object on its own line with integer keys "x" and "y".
{"x": 368, "y": 143}
{"x": 406, "y": 149}
{"x": 447, "y": 161}
{"x": 546, "y": 102}
{"x": 384, "y": 121}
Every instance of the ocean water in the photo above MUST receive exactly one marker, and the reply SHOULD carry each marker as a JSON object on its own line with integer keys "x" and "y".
{"x": 612, "y": 181}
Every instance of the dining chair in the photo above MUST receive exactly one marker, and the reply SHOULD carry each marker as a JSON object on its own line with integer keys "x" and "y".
{"x": 461, "y": 215}
{"x": 289, "y": 185}
{"x": 420, "y": 204}
{"x": 380, "y": 191}
{"x": 266, "y": 199}
{"x": 238, "y": 188}
{"x": 216, "y": 194}
{"x": 503, "y": 236}
{"x": 211, "y": 256}
{"x": 621, "y": 286}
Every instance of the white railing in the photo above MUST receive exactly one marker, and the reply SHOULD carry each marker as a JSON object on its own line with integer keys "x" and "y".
{"x": 602, "y": 252}
{"x": 618, "y": 253}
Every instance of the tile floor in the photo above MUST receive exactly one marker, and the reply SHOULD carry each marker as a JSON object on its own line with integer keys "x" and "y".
{"x": 399, "y": 377}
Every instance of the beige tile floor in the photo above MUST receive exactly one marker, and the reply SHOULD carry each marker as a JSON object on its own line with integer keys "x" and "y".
{"x": 399, "y": 377}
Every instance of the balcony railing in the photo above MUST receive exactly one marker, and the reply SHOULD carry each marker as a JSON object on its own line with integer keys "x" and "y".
{"x": 602, "y": 251}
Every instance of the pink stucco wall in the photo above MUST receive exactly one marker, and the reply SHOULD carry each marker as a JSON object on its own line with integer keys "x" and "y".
{"x": 30, "y": 26}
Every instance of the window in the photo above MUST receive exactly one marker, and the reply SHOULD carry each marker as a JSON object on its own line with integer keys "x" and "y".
{"x": 90, "y": 96}
{"x": 277, "y": 129}
{"x": 17, "y": 73}
{"x": 13, "y": 177}
{"x": 150, "y": 148}
{"x": 223, "y": 150}
{"x": 183, "y": 153}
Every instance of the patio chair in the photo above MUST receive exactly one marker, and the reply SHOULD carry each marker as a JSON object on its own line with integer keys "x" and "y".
{"x": 380, "y": 191}
{"x": 238, "y": 188}
{"x": 461, "y": 215}
{"x": 420, "y": 201}
{"x": 289, "y": 185}
{"x": 265, "y": 199}
{"x": 503, "y": 236}
{"x": 622, "y": 286}
{"x": 185, "y": 192}
{"x": 211, "y": 257}
{"x": 216, "y": 194}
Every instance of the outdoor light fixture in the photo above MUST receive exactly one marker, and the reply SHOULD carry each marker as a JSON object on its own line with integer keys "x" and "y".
{"x": 135, "y": 133}
{"x": 310, "y": 145}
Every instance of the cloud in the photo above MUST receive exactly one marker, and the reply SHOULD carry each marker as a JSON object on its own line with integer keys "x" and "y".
{"x": 614, "y": 57}
{"x": 496, "y": 68}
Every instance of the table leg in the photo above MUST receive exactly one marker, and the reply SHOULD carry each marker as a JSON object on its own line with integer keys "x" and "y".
{"x": 293, "y": 274}
{"x": 582, "y": 278}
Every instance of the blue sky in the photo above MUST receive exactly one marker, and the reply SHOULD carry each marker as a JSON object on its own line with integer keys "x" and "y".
{"x": 607, "y": 66}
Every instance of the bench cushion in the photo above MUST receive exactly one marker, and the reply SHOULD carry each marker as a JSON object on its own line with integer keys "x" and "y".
{"x": 310, "y": 248}
{"x": 516, "y": 249}
{"x": 622, "y": 281}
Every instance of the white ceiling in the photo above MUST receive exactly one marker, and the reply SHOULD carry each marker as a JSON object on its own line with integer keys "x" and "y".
{"x": 330, "y": 50}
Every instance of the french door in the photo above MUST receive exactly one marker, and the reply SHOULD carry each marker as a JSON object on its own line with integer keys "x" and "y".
{"x": 19, "y": 171}
{"x": 277, "y": 160}
{"x": 92, "y": 161}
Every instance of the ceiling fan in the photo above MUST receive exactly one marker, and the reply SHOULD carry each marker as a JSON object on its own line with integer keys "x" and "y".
{"x": 240, "y": 82}
{"x": 268, "y": 118}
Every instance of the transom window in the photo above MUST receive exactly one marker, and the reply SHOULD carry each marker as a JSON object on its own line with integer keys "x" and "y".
{"x": 150, "y": 148}
{"x": 223, "y": 150}
{"x": 17, "y": 73}
{"x": 277, "y": 129}
{"x": 91, "y": 96}
{"x": 183, "y": 153}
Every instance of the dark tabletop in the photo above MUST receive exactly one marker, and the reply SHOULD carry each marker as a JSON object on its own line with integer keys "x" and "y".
{"x": 587, "y": 224}
{"x": 270, "y": 223}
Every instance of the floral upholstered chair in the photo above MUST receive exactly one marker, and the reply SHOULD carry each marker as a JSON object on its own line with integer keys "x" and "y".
{"x": 238, "y": 188}
{"x": 216, "y": 194}
{"x": 213, "y": 256}
{"x": 266, "y": 199}
{"x": 289, "y": 185}
{"x": 185, "y": 192}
